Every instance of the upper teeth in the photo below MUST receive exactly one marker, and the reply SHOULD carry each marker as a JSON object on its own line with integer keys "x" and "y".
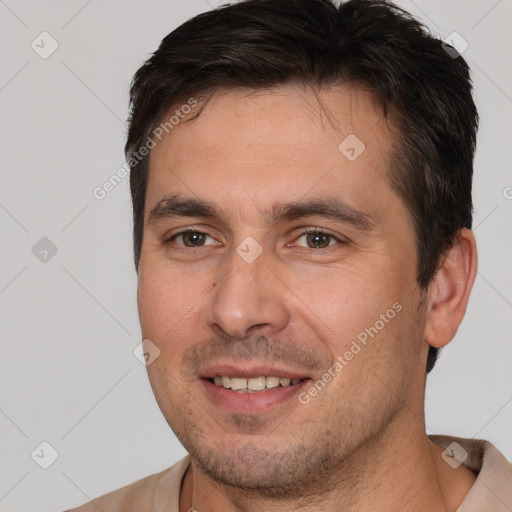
{"x": 253, "y": 383}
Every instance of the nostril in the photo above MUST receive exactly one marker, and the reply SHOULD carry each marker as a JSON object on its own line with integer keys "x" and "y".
{"x": 256, "y": 327}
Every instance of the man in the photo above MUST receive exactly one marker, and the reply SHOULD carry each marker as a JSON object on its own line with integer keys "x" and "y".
{"x": 301, "y": 184}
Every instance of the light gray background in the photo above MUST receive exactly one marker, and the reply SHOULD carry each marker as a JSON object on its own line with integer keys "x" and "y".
{"x": 68, "y": 326}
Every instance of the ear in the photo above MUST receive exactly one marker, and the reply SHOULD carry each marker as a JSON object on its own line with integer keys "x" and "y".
{"x": 448, "y": 292}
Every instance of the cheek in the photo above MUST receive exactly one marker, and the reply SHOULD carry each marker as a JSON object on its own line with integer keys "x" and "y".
{"x": 342, "y": 303}
{"x": 171, "y": 317}
{"x": 169, "y": 305}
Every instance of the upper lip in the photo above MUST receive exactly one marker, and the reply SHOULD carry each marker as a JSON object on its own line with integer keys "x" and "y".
{"x": 249, "y": 370}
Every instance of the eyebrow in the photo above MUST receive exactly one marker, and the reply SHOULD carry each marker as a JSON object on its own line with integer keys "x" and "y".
{"x": 172, "y": 206}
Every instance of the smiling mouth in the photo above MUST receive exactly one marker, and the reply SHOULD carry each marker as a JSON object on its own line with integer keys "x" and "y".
{"x": 253, "y": 384}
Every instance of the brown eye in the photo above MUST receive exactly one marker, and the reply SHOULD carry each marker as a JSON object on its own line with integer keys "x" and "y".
{"x": 318, "y": 240}
{"x": 190, "y": 239}
{"x": 193, "y": 238}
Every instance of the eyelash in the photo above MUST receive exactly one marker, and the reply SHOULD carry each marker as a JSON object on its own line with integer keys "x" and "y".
{"x": 182, "y": 248}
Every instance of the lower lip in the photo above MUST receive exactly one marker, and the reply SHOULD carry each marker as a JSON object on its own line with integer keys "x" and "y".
{"x": 251, "y": 402}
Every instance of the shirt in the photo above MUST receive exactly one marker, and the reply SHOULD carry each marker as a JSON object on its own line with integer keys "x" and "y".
{"x": 491, "y": 492}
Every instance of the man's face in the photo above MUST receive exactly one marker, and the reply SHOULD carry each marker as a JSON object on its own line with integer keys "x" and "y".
{"x": 305, "y": 256}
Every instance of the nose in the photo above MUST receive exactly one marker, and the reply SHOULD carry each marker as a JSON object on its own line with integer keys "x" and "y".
{"x": 248, "y": 300}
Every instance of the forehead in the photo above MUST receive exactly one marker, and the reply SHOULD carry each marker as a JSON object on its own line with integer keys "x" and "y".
{"x": 288, "y": 139}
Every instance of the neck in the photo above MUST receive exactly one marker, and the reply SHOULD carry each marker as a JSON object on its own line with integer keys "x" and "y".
{"x": 398, "y": 470}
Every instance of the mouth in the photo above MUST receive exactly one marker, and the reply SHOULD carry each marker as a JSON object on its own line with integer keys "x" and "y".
{"x": 251, "y": 389}
{"x": 253, "y": 384}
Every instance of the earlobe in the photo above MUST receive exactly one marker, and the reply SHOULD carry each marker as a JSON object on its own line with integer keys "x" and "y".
{"x": 448, "y": 292}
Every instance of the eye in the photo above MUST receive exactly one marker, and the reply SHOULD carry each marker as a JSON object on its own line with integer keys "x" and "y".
{"x": 318, "y": 239}
{"x": 190, "y": 239}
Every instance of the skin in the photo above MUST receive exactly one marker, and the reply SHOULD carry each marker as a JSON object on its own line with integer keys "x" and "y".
{"x": 360, "y": 443}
